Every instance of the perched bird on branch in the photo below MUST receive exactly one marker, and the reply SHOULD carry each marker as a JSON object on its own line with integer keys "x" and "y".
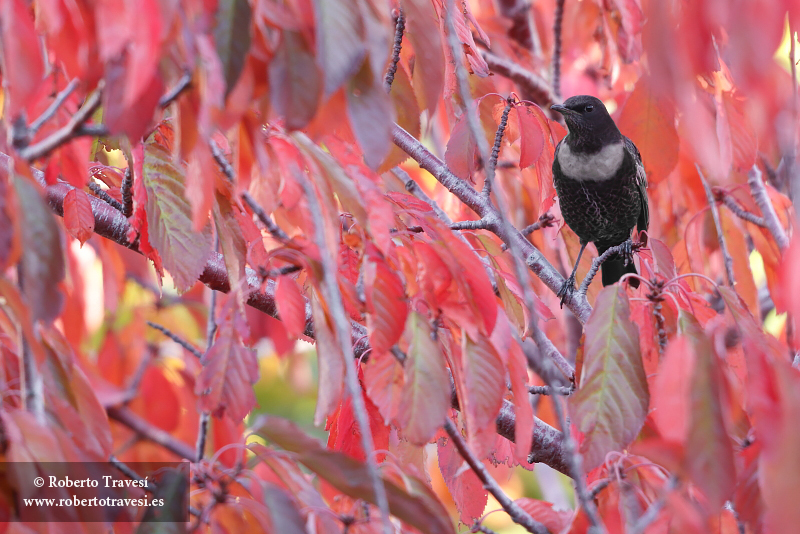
{"x": 601, "y": 185}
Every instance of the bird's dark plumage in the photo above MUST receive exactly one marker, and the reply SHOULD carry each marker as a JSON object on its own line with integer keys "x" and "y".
{"x": 601, "y": 184}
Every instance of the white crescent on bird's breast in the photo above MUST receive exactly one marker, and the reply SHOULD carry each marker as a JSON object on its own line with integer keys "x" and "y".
{"x": 599, "y": 166}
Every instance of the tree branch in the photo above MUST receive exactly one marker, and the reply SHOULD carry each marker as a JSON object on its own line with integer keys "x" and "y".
{"x": 176, "y": 338}
{"x": 597, "y": 262}
{"x": 333, "y": 299}
{"x": 52, "y": 108}
{"x": 472, "y": 199}
{"x": 514, "y": 511}
{"x": 113, "y": 225}
{"x": 533, "y": 87}
{"x": 720, "y": 195}
{"x": 184, "y": 83}
{"x": 66, "y": 132}
{"x": 558, "y": 18}
{"x": 150, "y": 432}
{"x": 760, "y": 195}
{"x": 723, "y": 247}
{"x": 270, "y": 225}
{"x": 399, "y": 29}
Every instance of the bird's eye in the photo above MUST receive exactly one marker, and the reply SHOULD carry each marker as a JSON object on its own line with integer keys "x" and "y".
{"x": 589, "y": 108}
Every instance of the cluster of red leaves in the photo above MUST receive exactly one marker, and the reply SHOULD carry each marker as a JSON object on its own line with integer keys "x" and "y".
{"x": 683, "y": 402}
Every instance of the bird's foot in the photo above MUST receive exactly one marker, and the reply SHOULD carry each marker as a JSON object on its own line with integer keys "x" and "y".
{"x": 626, "y": 251}
{"x": 567, "y": 289}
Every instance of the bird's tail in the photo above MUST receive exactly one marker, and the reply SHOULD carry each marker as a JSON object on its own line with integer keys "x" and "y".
{"x": 614, "y": 268}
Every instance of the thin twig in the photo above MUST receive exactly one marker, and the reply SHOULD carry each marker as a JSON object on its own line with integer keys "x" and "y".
{"x": 151, "y": 432}
{"x": 599, "y": 486}
{"x": 343, "y": 334}
{"x": 723, "y": 246}
{"x": 52, "y": 108}
{"x": 532, "y": 86}
{"x": 479, "y": 224}
{"x": 514, "y": 511}
{"x": 544, "y": 221}
{"x": 169, "y": 97}
{"x": 211, "y": 331}
{"x": 498, "y": 140}
{"x": 534, "y": 259}
{"x": 280, "y": 271}
{"x": 497, "y": 218}
{"x": 760, "y": 195}
{"x": 66, "y": 132}
{"x": 477, "y": 527}
{"x": 414, "y": 189}
{"x": 151, "y": 486}
{"x": 548, "y": 390}
{"x": 575, "y": 462}
{"x": 105, "y": 196}
{"x": 722, "y": 196}
{"x": 126, "y": 189}
{"x": 176, "y": 338}
{"x": 597, "y": 262}
{"x": 222, "y": 161}
{"x": 651, "y": 514}
{"x": 273, "y": 228}
{"x": 399, "y": 29}
{"x": 558, "y": 18}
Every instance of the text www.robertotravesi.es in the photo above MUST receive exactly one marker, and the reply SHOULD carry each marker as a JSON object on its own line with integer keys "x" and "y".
{"x": 94, "y": 501}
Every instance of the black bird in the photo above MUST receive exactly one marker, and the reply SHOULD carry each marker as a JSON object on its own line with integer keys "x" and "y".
{"x": 601, "y": 186}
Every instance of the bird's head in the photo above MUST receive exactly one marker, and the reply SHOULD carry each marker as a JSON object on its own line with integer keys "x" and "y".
{"x": 585, "y": 115}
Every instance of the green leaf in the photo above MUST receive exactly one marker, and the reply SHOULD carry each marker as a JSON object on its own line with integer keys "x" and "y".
{"x": 425, "y": 397}
{"x": 232, "y": 38}
{"x": 42, "y": 254}
{"x": 611, "y": 404}
{"x": 415, "y": 505}
{"x": 169, "y": 218}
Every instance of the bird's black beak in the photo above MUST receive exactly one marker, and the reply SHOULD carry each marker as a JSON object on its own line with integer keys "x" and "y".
{"x": 561, "y": 109}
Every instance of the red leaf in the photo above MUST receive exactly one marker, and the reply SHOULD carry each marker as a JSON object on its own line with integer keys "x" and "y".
{"x": 331, "y": 364}
{"x": 611, "y": 403}
{"x": 22, "y": 57}
{"x": 230, "y": 369}
{"x": 291, "y": 306}
{"x": 650, "y": 123}
{"x": 42, "y": 257}
{"x": 710, "y": 457}
{"x": 383, "y": 379}
{"x": 541, "y": 511}
{"x": 345, "y": 435}
{"x": 523, "y": 431}
{"x": 463, "y": 484}
{"x": 425, "y": 397}
{"x": 775, "y": 406}
{"x": 531, "y": 136}
{"x": 481, "y": 385}
{"x": 422, "y": 28}
{"x": 340, "y": 46}
{"x": 461, "y": 150}
{"x": 294, "y": 78}
{"x": 371, "y": 115}
{"x": 78, "y": 216}
{"x": 416, "y": 506}
{"x": 670, "y": 400}
{"x": 386, "y": 304}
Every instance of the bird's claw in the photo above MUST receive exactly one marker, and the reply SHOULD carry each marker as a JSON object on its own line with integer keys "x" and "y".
{"x": 567, "y": 289}
{"x": 627, "y": 252}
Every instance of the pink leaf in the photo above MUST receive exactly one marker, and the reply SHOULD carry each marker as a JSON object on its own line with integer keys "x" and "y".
{"x": 230, "y": 369}
{"x": 531, "y": 136}
{"x": 78, "y": 216}
{"x": 291, "y": 306}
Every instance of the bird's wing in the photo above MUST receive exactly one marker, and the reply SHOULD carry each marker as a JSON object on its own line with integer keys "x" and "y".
{"x": 556, "y": 164}
{"x": 641, "y": 184}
